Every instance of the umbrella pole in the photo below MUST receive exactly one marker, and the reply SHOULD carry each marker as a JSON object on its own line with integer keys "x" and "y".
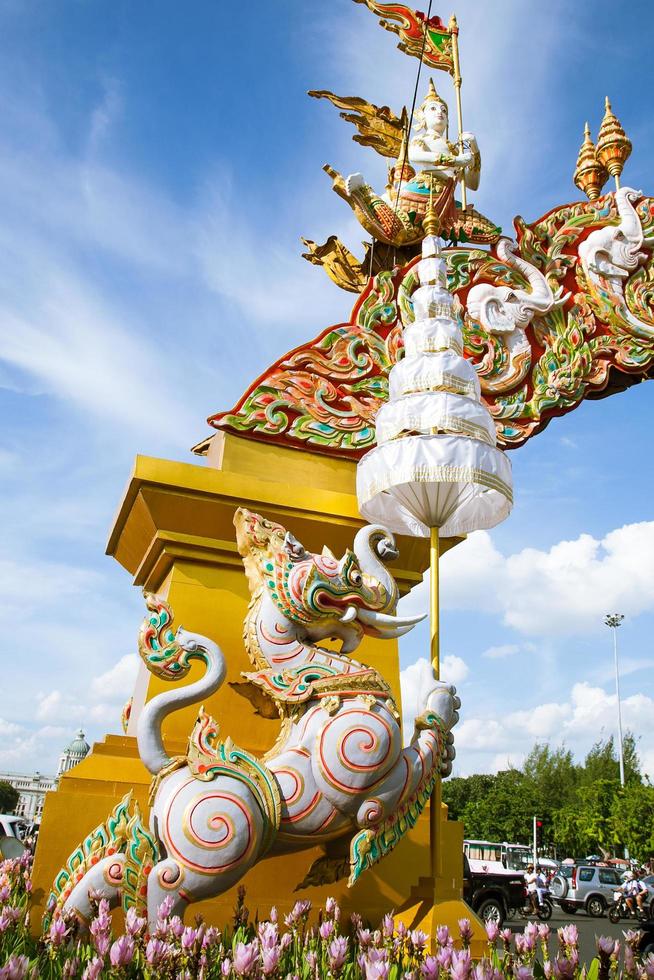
{"x": 435, "y": 808}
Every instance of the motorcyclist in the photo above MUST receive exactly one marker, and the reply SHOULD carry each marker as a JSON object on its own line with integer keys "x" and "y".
{"x": 532, "y": 888}
{"x": 634, "y": 891}
{"x": 541, "y": 884}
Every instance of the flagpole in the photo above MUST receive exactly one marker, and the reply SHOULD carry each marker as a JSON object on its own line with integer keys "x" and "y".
{"x": 454, "y": 29}
{"x": 434, "y": 624}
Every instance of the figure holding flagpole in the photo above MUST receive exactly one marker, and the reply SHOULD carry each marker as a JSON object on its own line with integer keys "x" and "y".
{"x": 429, "y": 164}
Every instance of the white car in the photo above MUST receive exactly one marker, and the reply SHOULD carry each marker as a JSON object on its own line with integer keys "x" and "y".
{"x": 13, "y": 830}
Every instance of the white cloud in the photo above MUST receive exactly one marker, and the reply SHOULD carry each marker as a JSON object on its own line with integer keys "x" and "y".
{"x": 588, "y": 714}
{"x": 118, "y": 681}
{"x": 566, "y": 590}
{"x": 502, "y": 651}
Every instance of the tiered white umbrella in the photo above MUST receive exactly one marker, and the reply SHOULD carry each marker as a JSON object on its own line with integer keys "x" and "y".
{"x": 436, "y": 468}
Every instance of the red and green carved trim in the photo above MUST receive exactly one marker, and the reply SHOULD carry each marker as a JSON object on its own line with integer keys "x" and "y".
{"x": 323, "y": 396}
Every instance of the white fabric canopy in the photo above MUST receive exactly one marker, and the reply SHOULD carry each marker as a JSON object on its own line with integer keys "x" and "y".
{"x": 445, "y": 371}
{"x": 432, "y": 335}
{"x": 436, "y": 463}
{"x": 456, "y": 484}
{"x": 434, "y": 412}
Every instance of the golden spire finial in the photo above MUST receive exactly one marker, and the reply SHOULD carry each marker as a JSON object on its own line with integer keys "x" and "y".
{"x": 589, "y": 176}
{"x": 613, "y": 145}
{"x": 432, "y": 95}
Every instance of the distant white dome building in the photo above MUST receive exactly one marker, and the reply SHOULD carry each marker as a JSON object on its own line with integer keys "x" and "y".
{"x": 78, "y": 749}
{"x": 33, "y": 787}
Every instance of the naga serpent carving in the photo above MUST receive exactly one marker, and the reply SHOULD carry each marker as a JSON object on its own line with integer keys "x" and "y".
{"x": 338, "y": 768}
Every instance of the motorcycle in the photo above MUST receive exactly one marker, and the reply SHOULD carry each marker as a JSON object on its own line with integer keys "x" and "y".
{"x": 545, "y": 908}
{"x": 620, "y": 910}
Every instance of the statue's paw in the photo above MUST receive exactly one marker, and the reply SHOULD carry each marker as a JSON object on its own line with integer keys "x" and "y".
{"x": 444, "y": 702}
{"x": 354, "y": 183}
{"x": 448, "y": 755}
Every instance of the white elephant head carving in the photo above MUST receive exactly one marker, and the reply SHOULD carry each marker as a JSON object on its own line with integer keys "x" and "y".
{"x": 502, "y": 309}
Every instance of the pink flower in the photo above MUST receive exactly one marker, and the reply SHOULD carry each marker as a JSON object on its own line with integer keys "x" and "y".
{"x": 57, "y": 932}
{"x": 418, "y": 939}
{"x": 648, "y": 965}
{"x": 375, "y": 965}
{"x": 401, "y": 929}
{"x": 286, "y": 940}
{"x": 166, "y": 907}
{"x": 273, "y": 915}
{"x": 629, "y": 962}
{"x": 543, "y": 932}
{"x": 632, "y": 938}
{"x": 332, "y": 909}
{"x": 134, "y": 924}
{"x": 430, "y": 968}
{"x": 176, "y": 927}
{"x": 443, "y": 936}
{"x": 506, "y": 935}
{"x": 122, "y": 951}
{"x": 569, "y": 935}
{"x": 101, "y": 937}
{"x": 364, "y": 936}
{"x": 312, "y": 960}
{"x": 15, "y": 968}
{"x": 5, "y": 892}
{"x": 103, "y": 917}
{"x": 226, "y": 967}
{"x": 337, "y": 951}
{"x": 156, "y": 951}
{"x": 188, "y": 938}
{"x": 465, "y": 930}
{"x": 270, "y": 956}
{"x": 388, "y": 926}
{"x": 606, "y": 946}
{"x": 564, "y": 969}
{"x": 461, "y": 965}
{"x": 523, "y": 973}
{"x": 547, "y": 969}
{"x": 326, "y": 929}
{"x": 71, "y": 968}
{"x": 444, "y": 957}
{"x": 211, "y": 937}
{"x": 245, "y": 958}
{"x": 492, "y": 931}
{"x": 94, "y": 969}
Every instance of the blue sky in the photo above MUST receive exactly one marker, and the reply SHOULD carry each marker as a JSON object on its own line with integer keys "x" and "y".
{"x": 158, "y": 167}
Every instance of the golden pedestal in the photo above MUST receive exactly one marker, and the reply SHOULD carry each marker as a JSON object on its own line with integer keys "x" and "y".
{"x": 175, "y": 536}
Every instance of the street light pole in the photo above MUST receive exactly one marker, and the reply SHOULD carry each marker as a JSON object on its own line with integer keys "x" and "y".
{"x": 613, "y": 621}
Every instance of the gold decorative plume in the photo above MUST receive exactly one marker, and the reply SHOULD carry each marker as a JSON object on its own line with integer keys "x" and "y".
{"x": 339, "y": 263}
{"x": 589, "y": 176}
{"x": 613, "y": 145}
{"x": 378, "y": 126}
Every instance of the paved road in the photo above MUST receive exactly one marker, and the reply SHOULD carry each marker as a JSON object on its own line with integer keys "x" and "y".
{"x": 588, "y": 928}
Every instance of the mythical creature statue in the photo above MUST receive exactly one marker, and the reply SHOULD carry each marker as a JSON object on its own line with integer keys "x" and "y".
{"x": 338, "y": 768}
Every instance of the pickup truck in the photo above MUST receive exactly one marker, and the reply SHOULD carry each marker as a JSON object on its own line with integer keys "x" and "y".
{"x": 492, "y": 892}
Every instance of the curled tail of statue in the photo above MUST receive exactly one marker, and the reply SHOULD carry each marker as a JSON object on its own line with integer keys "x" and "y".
{"x": 168, "y": 654}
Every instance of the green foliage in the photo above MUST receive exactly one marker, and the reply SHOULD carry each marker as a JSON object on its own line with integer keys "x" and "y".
{"x": 9, "y": 797}
{"x": 583, "y": 807}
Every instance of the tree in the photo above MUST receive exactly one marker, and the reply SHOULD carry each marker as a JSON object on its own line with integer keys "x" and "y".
{"x": 633, "y": 819}
{"x": 9, "y": 797}
{"x": 602, "y": 761}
